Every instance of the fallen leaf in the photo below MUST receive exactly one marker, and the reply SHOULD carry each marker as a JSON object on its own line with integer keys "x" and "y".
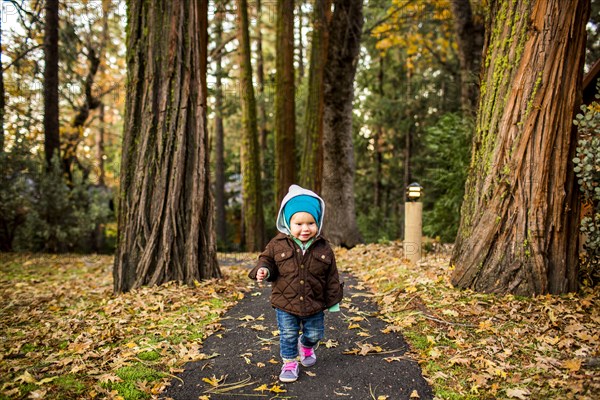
{"x": 572, "y": 365}
{"x": 25, "y": 378}
{"x": 262, "y": 388}
{"x": 37, "y": 394}
{"x": 277, "y": 389}
{"x": 213, "y": 381}
{"x": 517, "y": 393}
{"x": 414, "y": 394}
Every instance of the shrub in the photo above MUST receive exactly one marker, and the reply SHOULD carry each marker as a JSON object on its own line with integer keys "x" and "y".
{"x": 587, "y": 170}
{"x": 40, "y": 212}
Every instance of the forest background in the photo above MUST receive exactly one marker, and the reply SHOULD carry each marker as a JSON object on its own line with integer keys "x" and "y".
{"x": 408, "y": 123}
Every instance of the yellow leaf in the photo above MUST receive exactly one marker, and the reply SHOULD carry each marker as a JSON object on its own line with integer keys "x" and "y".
{"x": 310, "y": 373}
{"x": 46, "y": 380}
{"x": 277, "y": 389}
{"x": 434, "y": 353}
{"x": 414, "y": 395}
{"x": 131, "y": 345}
{"x": 204, "y": 397}
{"x": 213, "y": 381}
{"x": 353, "y": 326}
{"x": 572, "y": 365}
{"x": 262, "y": 387}
{"x": 383, "y": 397}
{"x": 25, "y": 378}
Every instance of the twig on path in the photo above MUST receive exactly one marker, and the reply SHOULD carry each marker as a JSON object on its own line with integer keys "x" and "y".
{"x": 227, "y": 387}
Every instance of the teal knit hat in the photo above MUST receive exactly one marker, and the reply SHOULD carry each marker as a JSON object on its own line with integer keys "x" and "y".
{"x": 302, "y": 203}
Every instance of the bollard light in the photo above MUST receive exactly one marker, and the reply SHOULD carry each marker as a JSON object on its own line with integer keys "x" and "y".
{"x": 414, "y": 191}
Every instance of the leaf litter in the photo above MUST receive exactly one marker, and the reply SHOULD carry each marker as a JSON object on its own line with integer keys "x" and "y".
{"x": 60, "y": 323}
{"x": 481, "y": 346}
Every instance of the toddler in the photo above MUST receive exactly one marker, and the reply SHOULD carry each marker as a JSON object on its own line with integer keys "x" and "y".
{"x": 304, "y": 278}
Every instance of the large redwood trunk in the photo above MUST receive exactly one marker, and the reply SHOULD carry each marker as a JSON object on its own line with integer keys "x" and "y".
{"x": 338, "y": 149}
{"x": 311, "y": 169}
{"x": 519, "y": 221}
{"x": 469, "y": 36}
{"x": 252, "y": 207}
{"x": 166, "y": 212}
{"x": 285, "y": 114}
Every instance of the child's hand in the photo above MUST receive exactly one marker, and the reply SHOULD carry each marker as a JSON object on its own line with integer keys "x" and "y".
{"x": 261, "y": 274}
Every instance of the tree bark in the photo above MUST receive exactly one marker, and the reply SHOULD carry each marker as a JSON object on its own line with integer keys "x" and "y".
{"x": 346, "y": 24}
{"x": 1, "y": 94}
{"x": 254, "y": 230}
{"x": 285, "y": 114}
{"x": 469, "y": 37}
{"x": 166, "y": 211}
{"x": 518, "y": 231}
{"x": 219, "y": 134}
{"x": 311, "y": 167}
{"x": 100, "y": 148}
{"x": 260, "y": 80}
{"x": 51, "y": 123}
{"x": 300, "y": 43}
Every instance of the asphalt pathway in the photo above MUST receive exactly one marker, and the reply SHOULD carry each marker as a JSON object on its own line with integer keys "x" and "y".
{"x": 356, "y": 360}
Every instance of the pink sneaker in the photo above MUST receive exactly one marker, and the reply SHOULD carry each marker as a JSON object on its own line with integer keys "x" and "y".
{"x": 289, "y": 372}
{"x": 308, "y": 358}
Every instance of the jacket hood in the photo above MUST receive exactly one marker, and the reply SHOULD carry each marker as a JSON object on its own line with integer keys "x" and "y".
{"x": 294, "y": 191}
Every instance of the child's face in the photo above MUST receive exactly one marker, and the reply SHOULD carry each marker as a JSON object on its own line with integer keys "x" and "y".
{"x": 303, "y": 226}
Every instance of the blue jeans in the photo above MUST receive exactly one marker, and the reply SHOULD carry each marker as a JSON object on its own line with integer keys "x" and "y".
{"x": 290, "y": 325}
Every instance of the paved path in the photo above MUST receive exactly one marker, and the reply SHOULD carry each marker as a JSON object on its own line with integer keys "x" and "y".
{"x": 248, "y": 351}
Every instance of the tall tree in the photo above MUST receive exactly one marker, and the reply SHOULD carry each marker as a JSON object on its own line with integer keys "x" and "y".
{"x": 311, "y": 168}
{"x": 260, "y": 80}
{"x": 219, "y": 133}
{"x": 166, "y": 212}
{"x": 51, "y": 122}
{"x": 338, "y": 150}
{"x": 1, "y": 94}
{"x": 469, "y": 36}
{"x": 285, "y": 114}
{"x": 518, "y": 230}
{"x": 254, "y": 227}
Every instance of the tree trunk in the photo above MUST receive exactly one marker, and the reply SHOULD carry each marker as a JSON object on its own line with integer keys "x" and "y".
{"x": 300, "y": 42}
{"x": 1, "y": 94}
{"x": 219, "y": 134}
{"x": 100, "y": 148}
{"x": 260, "y": 78}
{"x": 311, "y": 168}
{"x": 74, "y": 133}
{"x": 285, "y": 114}
{"x": 518, "y": 231}
{"x": 469, "y": 36}
{"x": 166, "y": 211}
{"x": 377, "y": 189}
{"x": 338, "y": 150}
{"x": 51, "y": 123}
{"x": 254, "y": 228}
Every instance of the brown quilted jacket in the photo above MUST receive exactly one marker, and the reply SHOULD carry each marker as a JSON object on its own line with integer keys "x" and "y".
{"x": 301, "y": 284}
